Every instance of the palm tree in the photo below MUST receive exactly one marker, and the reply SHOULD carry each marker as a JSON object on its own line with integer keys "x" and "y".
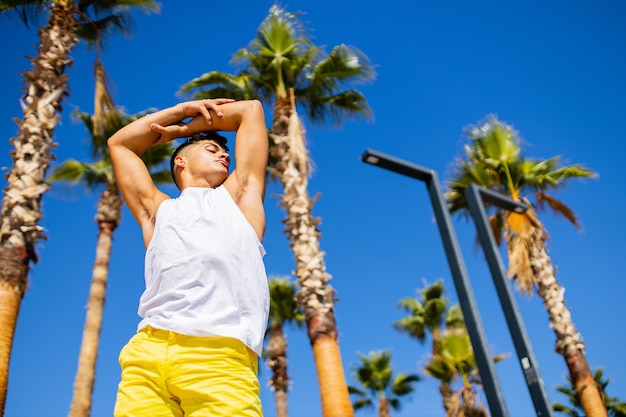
{"x": 493, "y": 160}
{"x": 455, "y": 360}
{"x": 431, "y": 314}
{"x": 105, "y": 121}
{"x": 283, "y": 310}
{"x": 615, "y": 407}
{"x": 427, "y": 314}
{"x": 284, "y": 68}
{"x": 375, "y": 375}
{"x": 45, "y": 86}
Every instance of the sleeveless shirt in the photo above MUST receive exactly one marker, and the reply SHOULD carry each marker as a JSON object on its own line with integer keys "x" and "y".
{"x": 204, "y": 270}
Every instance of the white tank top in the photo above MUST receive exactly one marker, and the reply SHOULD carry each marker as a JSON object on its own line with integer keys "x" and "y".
{"x": 204, "y": 270}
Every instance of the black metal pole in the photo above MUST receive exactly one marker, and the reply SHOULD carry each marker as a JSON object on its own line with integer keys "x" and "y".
{"x": 476, "y": 197}
{"x": 484, "y": 360}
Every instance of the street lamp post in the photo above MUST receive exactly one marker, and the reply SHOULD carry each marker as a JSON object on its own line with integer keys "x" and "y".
{"x": 484, "y": 360}
{"x": 476, "y": 197}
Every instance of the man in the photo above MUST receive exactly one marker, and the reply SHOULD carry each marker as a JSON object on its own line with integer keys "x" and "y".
{"x": 204, "y": 310}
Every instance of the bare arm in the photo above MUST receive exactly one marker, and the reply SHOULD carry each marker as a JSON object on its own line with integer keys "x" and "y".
{"x": 247, "y": 182}
{"x": 128, "y": 144}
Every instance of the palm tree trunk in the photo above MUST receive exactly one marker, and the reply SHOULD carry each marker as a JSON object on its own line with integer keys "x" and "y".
{"x": 108, "y": 218}
{"x": 12, "y": 288}
{"x": 447, "y": 396}
{"x": 332, "y": 384}
{"x": 277, "y": 362}
{"x": 280, "y": 398}
{"x": 568, "y": 341}
{"x": 383, "y": 408}
{"x": 46, "y": 84}
{"x": 291, "y": 166}
{"x": 471, "y": 407}
{"x": 447, "y": 393}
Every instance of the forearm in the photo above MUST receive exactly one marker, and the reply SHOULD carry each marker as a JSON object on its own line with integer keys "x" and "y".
{"x": 138, "y": 135}
{"x": 232, "y": 116}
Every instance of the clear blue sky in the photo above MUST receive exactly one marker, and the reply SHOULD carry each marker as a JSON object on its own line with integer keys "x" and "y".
{"x": 555, "y": 70}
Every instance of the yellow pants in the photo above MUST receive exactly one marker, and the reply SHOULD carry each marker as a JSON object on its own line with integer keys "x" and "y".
{"x": 167, "y": 374}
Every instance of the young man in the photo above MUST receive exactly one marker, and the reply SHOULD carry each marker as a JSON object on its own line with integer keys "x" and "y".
{"x": 204, "y": 310}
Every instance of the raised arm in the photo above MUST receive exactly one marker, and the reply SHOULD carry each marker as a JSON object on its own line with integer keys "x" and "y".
{"x": 128, "y": 144}
{"x": 247, "y": 182}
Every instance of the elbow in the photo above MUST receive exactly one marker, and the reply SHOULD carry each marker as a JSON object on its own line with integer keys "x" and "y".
{"x": 113, "y": 141}
{"x": 255, "y": 108}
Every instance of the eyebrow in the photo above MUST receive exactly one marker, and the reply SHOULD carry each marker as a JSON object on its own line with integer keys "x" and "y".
{"x": 216, "y": 145}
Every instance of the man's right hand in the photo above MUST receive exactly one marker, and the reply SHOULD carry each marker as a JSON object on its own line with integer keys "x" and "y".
{"x": 202, "y": 107}
{"x": 201, "y": 119}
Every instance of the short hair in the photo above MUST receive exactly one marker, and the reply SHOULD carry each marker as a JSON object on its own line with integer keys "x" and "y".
{"x": 195, "y": 138}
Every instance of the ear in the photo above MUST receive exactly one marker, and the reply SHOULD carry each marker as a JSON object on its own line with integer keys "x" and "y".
{"x": 180, "y": 161}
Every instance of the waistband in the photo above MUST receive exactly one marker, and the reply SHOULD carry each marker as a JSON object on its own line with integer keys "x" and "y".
{"x": 171, "y": 336}
{"x": 158, "y": 333}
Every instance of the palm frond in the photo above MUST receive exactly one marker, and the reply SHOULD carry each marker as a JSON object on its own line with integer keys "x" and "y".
{"x": 157, "y": 157}
{"x": 454, "y": 317}
{"x": 343, "y": 105}
{"x": 465, "y": 174}
{"x": 614, "y": 406}
{"x": 216, "y": 84}
{"x": 402, "y": 384}
{"x": 565, "y": 410}
{"x": 106, "y": 16}
{"x": 72, "y": 171}
{"x": 361, "y": 404}
{"x": 375, "y": 375}
{"x": 343, "y": 65}
{"x": 29, "y": 12}
{"x": 440, "y": 369}
{"x": 283, "y": 306}
{"x": 92, "y": 175}
{"x": 394, "y": 403}
{"x": 90, "y": 31}
{"x": 161, "y": 177}
{"x": 493, "y": 143}
{"x": 496, "y": 224}
{"x": 557, "y": 207}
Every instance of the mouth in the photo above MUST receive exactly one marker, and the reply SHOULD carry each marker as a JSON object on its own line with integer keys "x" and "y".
{"x": 224, "y": 162}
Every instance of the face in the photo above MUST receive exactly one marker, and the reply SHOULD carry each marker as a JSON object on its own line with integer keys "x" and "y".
{"x": 206, "y": 161}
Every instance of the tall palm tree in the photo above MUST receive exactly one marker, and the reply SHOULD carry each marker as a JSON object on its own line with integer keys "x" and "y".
{"x": 283, "y": 310}
{"x": 284, "y": 68}
{"x": 375, "y": 375}
{"x": 615, "y": 407}
{"x": 105, "y": 121}
{"x": 46, "y": 84}
{"x": 493, "y": 159}
{"x": 431, "y": 314}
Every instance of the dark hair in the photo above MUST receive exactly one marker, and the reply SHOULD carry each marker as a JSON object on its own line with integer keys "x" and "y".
{"x": 195, "y": 138}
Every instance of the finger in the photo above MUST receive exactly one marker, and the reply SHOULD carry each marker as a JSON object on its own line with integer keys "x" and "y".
{"x": 204, "y": 110}
{"x": 211, "y": 105}
{"x": 155, "y": 127}
{"x": 224, "y": 100}
{"x": 214, "y": 104}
